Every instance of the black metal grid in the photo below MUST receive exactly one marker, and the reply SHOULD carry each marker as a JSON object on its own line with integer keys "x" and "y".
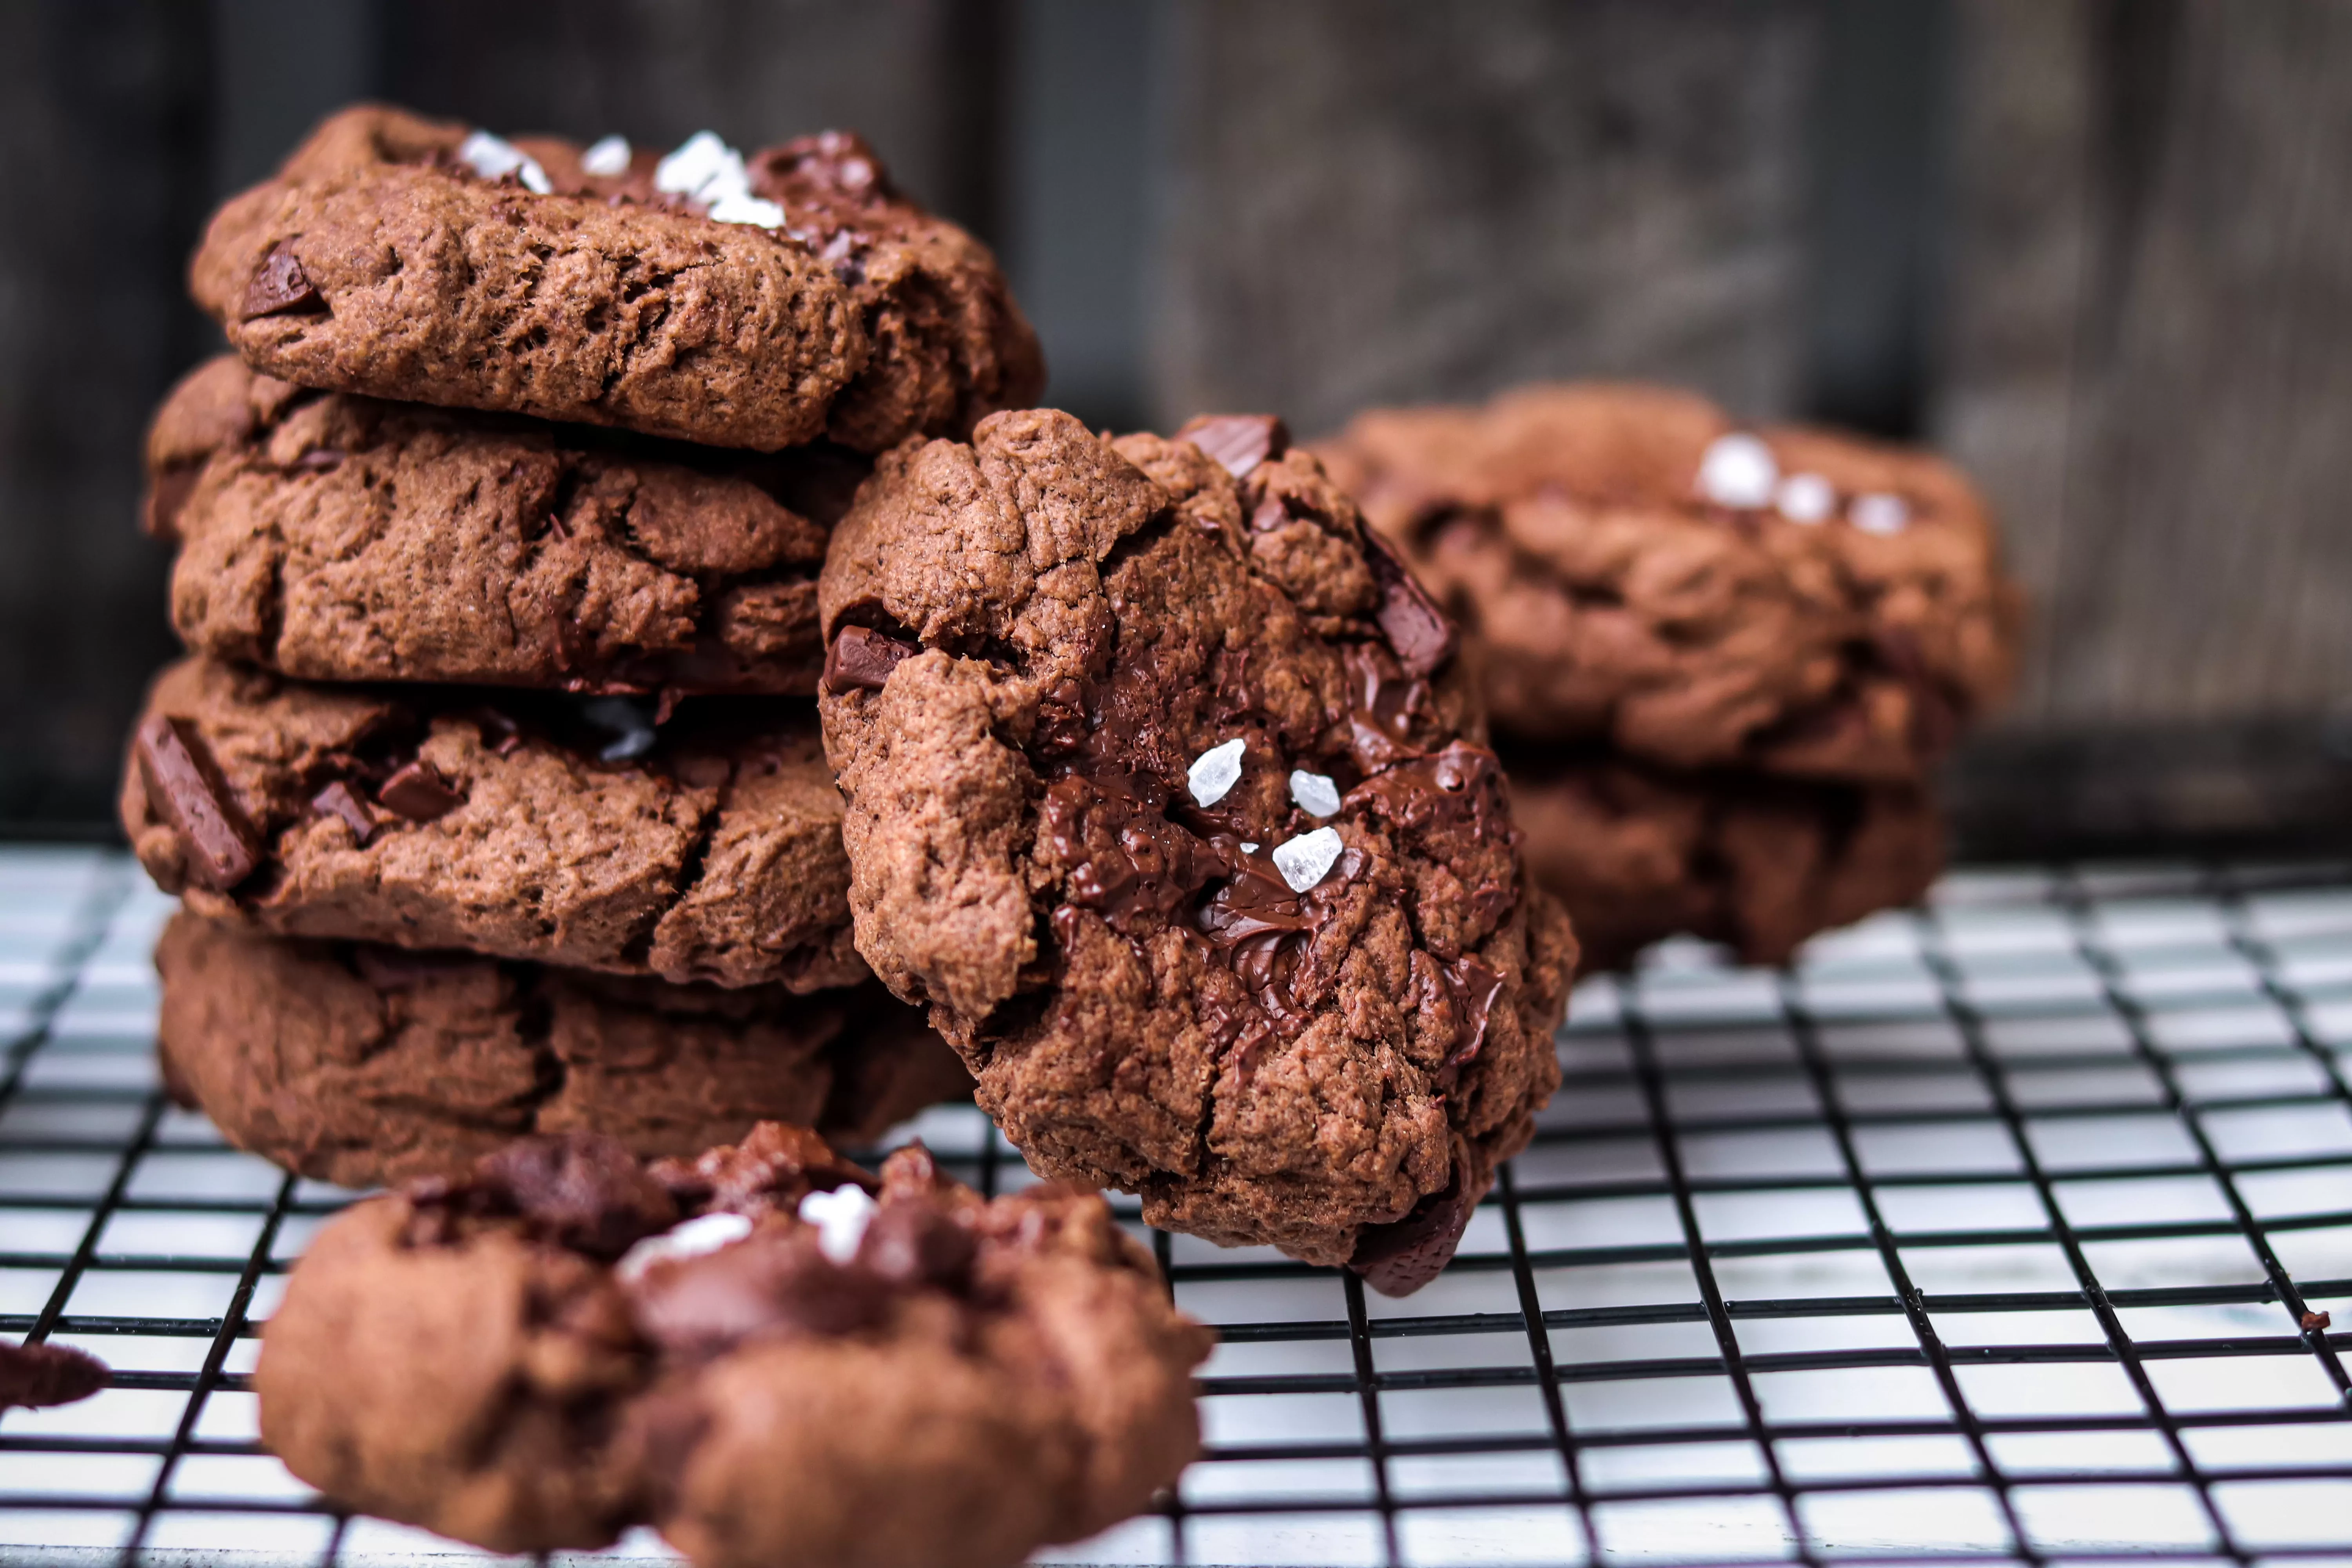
{"x": 1985, "y": 1231}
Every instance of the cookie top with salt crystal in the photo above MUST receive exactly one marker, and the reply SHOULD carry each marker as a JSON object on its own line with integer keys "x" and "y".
{"x": 1165, "y": 789}
{"x": 1644, "y": 571}
{"x": 760, "y": 300}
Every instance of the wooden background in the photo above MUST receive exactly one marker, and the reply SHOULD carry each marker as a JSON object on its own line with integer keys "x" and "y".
{"x": 2099, "y": 249}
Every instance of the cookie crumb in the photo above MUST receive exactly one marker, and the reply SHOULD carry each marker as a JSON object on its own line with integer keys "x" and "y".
{"x": 1738, "y": 471}
{"x": 2317, "y": 1322}
{"x": 1214, "y": 773}
{"x": 1306, "y": 859}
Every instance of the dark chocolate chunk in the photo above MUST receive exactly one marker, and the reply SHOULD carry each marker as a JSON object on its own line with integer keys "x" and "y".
{"x": 861, "y": 660}
{"x": 774, "y": 1167}
{"x": 279, "y": 286}
{"x": 499, "y": 734}
{"x": 37, "y": 1375}
{"x": 584, "y": 1192}
{"x": 1239, "y": 441}
{"x": 1422, "y": 634}
{"x": 184, "y": 788}
{"x": 1399, "y": 1257}
{"x": 914, "y": 1244}
{"x": 418, "y": 794}
{"x": 774, "y": 1282}
{"x": 337, "y": 800}
{"x": 1125, "y": 858}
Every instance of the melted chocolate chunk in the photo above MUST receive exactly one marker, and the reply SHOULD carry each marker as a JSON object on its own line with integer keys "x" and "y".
{"x": 337, "y": 800}
{"x": 419, "y": 793}
{"x": 772, "y": 1168}
{"x": 1126, "y": 860}
{"x": 184, "y": 789}
{"x": 280, "y": 287}
{"x": 38, "y": 1375}
{"x": 576, "y": 1189}
{"x": 1399, "y": 1257}
{"x": 1421, "y": 633}
{"x": 861, "y": 660}
{"x": 774, "y": 1282}
{"x": 1473, "y": 987}
{"x": 1253, "y": 903}
{"x": 912, "y": 1244}
{"x": 1460, "y": 783}
{"x": 1239, "y": 441}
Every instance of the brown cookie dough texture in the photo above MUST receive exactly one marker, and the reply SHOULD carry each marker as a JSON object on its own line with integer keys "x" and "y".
{"x": 958, "y": 1383}
{"x": 501, "y": 824}
{"x": 1645, "y": 573}
{"x": 1637, "y": 854}
{"x": 1035, "y": 641}
{"x": 363, "y": 1065}
{"x": 379, "y": 261}
{"x": 339, "y": 538}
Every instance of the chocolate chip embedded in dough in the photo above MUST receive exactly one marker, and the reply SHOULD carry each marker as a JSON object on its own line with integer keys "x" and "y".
{"x": 1239, "y": 441}
{"x": 419, "y": 793}
{"x": 37, "y": 1375}
{"x": 912, "y": 1243}
{"x": 280, "y": 287}
{"x": 340, "y": 801}
{"x": 183, "y": 789}
{"x": 1398, "y": 1258}
{"x": 1422, "y": 634}
{"x": 861, "y": 660}
{"x": 585, "y": 1192}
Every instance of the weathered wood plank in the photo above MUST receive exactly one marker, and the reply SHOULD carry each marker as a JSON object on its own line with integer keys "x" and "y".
{"x": 1382, "y": 201}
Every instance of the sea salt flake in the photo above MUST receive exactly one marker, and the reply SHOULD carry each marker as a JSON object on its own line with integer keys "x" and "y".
{"x": 703, "y": 169}
{"x": 494, "y": 157}
{"x": 841, "y": 1218}
{"x": 1806, "y": 498}
{"x": 1214, "y": 773}
{"x": 1879, "y": 512}
{"x": 606, "y": 158}
{"x": 1308, "y": 858}
{"x": 705, "y": 1234}
{"x": 1738, "y": 471}
{"x": 1316, "y": 794}
{"x": 1249, "y": 848}
{"x": 734, "y": 208}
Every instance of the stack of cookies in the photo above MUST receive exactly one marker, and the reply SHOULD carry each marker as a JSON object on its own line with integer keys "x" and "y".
{"x": 493, "y": 786}
{"x": 1723, "y": 662}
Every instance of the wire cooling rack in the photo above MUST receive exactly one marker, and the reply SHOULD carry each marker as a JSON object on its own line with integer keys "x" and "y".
{"x": 1987, "y": 1231}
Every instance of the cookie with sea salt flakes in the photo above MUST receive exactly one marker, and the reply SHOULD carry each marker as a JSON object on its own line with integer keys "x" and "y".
{"x": 764, "y": 1353}
{"x": 595, "y": 833}
{"x": 1164, "y": 787}
{"x": 1645, "y": 572}
{"x": 762, "y": 302}
{"x": 339, "y": 538}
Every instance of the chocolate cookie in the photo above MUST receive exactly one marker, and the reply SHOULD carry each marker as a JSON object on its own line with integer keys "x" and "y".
{"x": 562, "y": 830}
{"x": 362, "y": 1065}
{"x": 1164, "y": 787}
{"x": 746, "y": 1351}
{"x": 1646, "y": 574}
{"x": 1637, "y": 854}
{"x": 760, "y": 302}
{"x": 340, "y": 538}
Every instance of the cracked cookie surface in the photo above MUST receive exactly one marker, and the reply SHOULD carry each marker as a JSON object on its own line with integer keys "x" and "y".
{"x": 363, "y": 1065}
{"x": 745, "y": 1350}
{"x": 1637, "y": 854}
{"x": 1163, "y": 788}
{"x": 1645, "y": 572}
{"x": 339, "y": 538}
{"x": 383, "y": 259}
{"x": 516, "y": 825}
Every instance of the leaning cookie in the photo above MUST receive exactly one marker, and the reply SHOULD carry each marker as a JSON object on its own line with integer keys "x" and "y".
{"x": 361, "y": 1065}
{"x": 561, "y": 830}
{"x": 1646, "y": 574}
{"x": 340, "y": 538}
{"x": 1163, "y": 788}
{"x": 762, "y": 302}
{"x": 747, "y": 1352}
{"x": 1638, "y": 853}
